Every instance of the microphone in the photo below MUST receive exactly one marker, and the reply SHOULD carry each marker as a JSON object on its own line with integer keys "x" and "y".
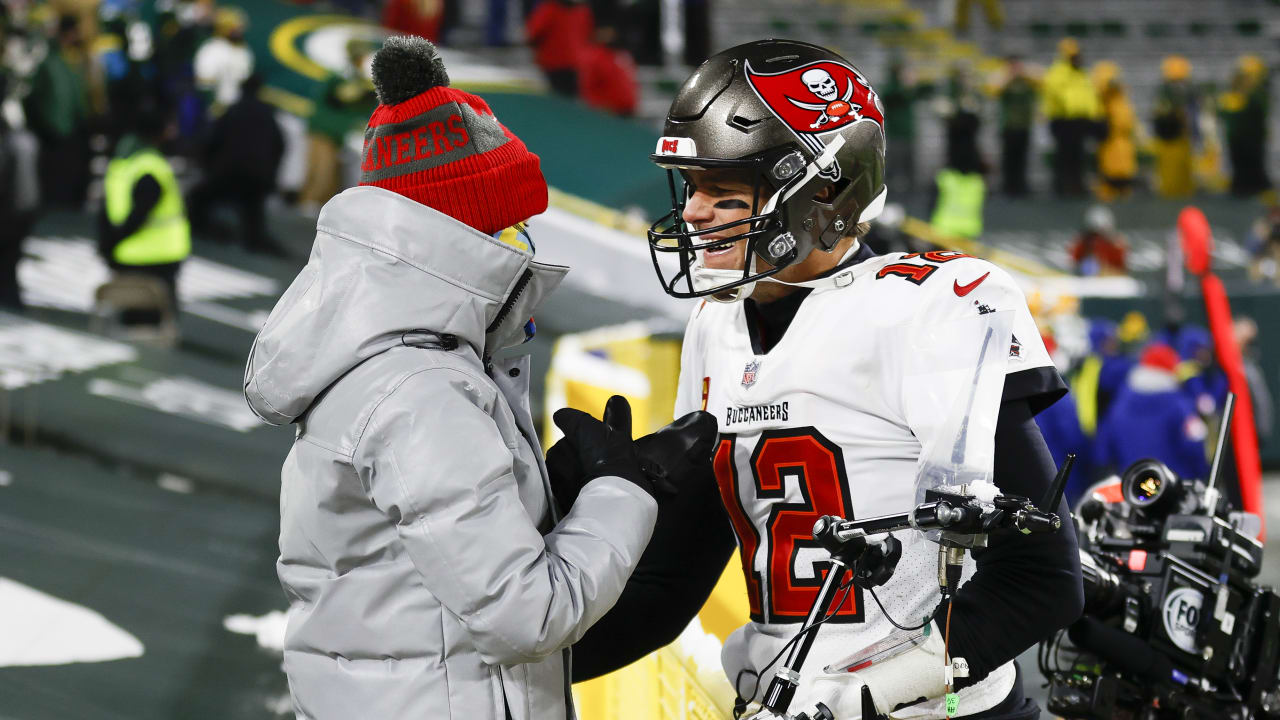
{"x": 1124, "y": 651}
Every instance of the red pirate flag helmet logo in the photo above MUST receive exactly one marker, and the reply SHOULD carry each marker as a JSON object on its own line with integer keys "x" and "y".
{"x": 817, "y": 97}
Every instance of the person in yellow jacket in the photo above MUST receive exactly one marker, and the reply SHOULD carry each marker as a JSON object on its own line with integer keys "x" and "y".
{"x": 1070, "y": 102}
{"x": 1117, "y": 154}
{"x": 143, "y": 224}
{"x": 1174, "y": 124}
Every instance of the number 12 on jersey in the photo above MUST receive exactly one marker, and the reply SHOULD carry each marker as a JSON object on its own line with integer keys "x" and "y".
{"x": 803, "y": 458}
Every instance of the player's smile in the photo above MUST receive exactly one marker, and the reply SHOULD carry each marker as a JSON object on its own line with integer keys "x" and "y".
{"x": 717, "y": 198}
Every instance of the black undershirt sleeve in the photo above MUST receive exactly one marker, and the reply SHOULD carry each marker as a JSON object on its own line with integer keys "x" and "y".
{"x": 1026, "y": 586}
{"x": 146, "y": 194}
{"x": 691, "y": 544}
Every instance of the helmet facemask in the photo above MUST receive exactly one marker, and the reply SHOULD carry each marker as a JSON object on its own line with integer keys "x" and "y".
{"x": 672, "y": 235}
{"x": 813, "y": 153}
{"x": 770, "y": 236}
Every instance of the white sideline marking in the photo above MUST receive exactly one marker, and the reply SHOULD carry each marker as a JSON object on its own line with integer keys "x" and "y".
{"x": 39, "y": 629}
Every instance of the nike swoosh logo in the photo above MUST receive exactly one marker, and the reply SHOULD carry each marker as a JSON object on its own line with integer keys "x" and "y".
{"x": 962, "y": 290}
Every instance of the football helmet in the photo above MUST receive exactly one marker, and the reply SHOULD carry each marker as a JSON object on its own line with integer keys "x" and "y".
{"x": 797, "y": 119}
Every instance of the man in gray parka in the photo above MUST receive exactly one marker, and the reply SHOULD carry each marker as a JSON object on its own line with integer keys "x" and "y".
{"x": 429, "y": 571}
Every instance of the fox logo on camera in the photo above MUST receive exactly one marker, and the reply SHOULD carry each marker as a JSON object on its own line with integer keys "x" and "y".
{"x": 1181, "y": 616}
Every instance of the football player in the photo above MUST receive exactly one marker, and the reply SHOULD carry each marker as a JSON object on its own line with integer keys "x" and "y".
{"x": 775, "y": 154}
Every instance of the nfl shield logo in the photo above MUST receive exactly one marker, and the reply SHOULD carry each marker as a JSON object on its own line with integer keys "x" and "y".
{"x": 749, "y": 373}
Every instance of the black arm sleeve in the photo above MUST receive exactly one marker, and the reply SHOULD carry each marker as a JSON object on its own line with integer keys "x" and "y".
{"x": 1026, "y": 586}
{"x": 692, "y": 541}
{"x": 146, "y": 193}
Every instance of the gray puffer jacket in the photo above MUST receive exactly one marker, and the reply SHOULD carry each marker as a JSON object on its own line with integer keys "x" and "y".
{"x": 428, "y": 573}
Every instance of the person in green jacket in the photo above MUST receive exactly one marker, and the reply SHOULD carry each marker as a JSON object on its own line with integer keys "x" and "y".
{"x": 1018, "y": 97}
{"x": 1245, "y": 109}
{"x": 57, "y": 112}
{"x": 899, "y": 96}
{"x": 342, "y": 103}
{"x": 142, "y": 227}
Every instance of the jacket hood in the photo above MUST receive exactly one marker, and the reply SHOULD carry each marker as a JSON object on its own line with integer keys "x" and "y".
{"x": 387, "y": 271}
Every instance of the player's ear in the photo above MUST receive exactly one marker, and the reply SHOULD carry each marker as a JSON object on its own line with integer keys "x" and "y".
{"x": 829, "y": 191}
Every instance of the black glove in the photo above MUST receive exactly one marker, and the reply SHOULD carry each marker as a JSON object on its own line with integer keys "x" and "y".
{"x": 692, "y": 540}
{"x": 592, "y": 448}
{"x": 682, "y": 449}
{"x": 565, "y": 473}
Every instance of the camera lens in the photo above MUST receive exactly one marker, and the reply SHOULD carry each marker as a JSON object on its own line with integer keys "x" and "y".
{"x": 1150, "y": 487}
{"x": 1102, "y": 592}
{"x": 1147, "y": 488}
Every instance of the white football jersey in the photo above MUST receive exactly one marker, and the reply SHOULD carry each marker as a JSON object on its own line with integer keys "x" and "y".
{"x": 826, "y": 423}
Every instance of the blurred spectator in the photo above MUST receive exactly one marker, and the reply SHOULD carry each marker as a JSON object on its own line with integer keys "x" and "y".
{"x": 559, "y": 31}
{"x": 641, "y": 28}
{"x": 607, "y": 76}
{"x": 959, "y": 194}
{"x": 1071, "y": 105}
{"x": 990, "y": 9}
{"x": 224, "y": 61}
{"x": 124, "y": 51}
{"x": 1245, "y": 108}
{"x": 180, "y": 28}
{"x": 1061, "y": 431}
{"x": 1017, "y": 114}
{"x": 1117, "y": 153}
{"x": 1264, "y": 246}
{"x": 963, "y": 112}
{"x": 1173, "y": 123}
{"x": 697, "y": 31}
{"x": 142, "y": 227}
{"x": 342, "y": 103}
{"x": 899, "y": 95}
{"x": 1202, "y": 378}
{"x": 241, "y": 160}
{"x": 495, "y": 25}
{"x": 1099, "y": 249}
{"x": 1153, "y": 418}
{"x": 57, "y": 112}
{"x": 19, "y": 183}
{"x": 423, "y": 18}
{"x": 1246, "y": 330}
{"x": 1100, "y": 375}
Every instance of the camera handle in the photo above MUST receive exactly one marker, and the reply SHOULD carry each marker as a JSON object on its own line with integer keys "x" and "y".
{"x": 845, "y": 551}
{"x": 846, "y": 540}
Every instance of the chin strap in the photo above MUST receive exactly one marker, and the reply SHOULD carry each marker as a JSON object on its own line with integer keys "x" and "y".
{"x": 710, "y": 278}
{"x": 844, "y": 278}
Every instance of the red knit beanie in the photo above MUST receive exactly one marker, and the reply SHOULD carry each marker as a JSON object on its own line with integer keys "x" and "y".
{"x": 1160, "y": 357}
{"x": 443, "y": 147}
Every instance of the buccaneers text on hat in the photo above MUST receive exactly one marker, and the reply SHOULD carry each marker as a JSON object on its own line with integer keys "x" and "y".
{"x": 441, "y": 135}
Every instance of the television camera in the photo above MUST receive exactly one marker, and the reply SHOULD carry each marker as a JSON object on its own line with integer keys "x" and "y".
{"x": 1174, "y": 626}
{"x": 961, "y": 517}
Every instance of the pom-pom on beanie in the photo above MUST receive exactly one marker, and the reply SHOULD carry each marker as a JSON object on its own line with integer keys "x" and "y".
{"x": 443, "y": 147}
